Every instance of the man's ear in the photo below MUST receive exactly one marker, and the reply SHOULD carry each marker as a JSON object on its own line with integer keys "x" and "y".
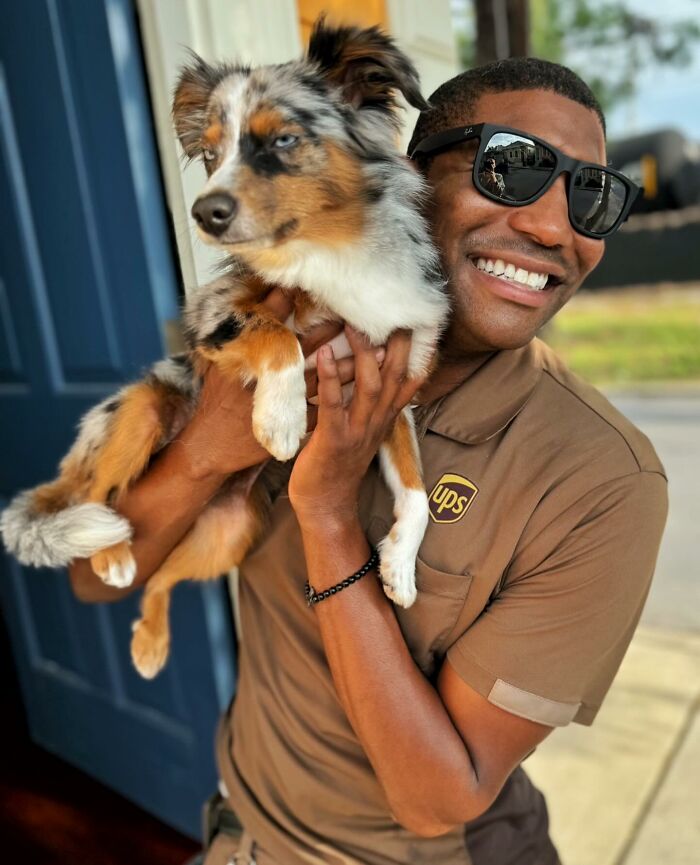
{"x": 366, "y": 65}
{"x": 193, "y": 90}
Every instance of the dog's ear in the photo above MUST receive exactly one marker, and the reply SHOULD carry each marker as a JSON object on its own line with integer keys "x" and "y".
{"x": 194, "y": 87}
{"x": 366, "y": 65}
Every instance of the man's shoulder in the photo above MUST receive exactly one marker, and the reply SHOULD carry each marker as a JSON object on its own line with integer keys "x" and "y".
{"x": 583, "y": 421}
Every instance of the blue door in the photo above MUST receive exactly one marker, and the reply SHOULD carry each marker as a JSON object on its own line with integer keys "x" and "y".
{"x": 87, "y": 286}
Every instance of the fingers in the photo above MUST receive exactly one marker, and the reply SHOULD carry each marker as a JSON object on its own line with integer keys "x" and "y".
{"x": 346, "y": 372}
{"x": 331, "y": 413}
{"x": 382, "y": 388}
{"x": 368, "y": 379}
{"x": 395, "y": 379}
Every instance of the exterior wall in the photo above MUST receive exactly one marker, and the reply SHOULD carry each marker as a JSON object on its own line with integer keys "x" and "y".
{"x": 364, "y": 12}
{"x": 424, "y": 31}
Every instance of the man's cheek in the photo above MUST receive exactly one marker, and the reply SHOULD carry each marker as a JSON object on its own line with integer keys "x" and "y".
{"x": 590, "y": 254}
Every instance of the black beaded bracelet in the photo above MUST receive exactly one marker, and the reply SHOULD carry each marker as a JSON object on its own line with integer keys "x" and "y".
{"x": 313, "y": 597}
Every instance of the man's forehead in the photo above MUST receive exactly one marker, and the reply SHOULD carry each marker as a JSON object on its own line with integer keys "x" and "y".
{"x": 560, "y": 121}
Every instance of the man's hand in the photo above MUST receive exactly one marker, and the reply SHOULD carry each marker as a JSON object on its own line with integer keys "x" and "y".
{"x": 325, "y": 482}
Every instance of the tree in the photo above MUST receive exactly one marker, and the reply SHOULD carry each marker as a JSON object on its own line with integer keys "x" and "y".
{"x": 502, "y": 29}
{"x": 606, "y": 41}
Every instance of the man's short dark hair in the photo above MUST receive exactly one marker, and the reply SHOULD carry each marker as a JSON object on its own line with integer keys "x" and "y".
{"x": 453, "y": 102}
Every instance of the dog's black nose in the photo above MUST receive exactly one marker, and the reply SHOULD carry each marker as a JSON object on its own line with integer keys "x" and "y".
{"x": 213, "y": 213}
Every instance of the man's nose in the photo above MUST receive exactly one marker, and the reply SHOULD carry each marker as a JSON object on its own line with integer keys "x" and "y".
{"x": 546, "y": 220}
{"x": 213, "y": 213}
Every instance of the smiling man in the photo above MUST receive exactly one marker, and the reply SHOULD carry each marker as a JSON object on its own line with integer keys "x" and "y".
{"x": 368, "y": 734}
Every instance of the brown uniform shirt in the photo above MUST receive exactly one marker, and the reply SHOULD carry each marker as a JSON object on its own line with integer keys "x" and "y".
{"x": 547, "y": 508}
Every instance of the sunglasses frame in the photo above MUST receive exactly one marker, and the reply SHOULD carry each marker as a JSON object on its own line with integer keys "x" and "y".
{"x": 439, "y": 141}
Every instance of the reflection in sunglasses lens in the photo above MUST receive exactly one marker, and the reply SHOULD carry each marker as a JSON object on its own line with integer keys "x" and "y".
{"x": 514, "y": 168}
{"x": 598, "y": 199}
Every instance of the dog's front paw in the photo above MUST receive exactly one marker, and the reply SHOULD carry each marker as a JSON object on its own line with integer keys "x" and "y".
{"x": 115, "y": 566}
{"x": 279, "y": 423}
{"x": 397, "y": 571}
{"x": 149, "y": 648}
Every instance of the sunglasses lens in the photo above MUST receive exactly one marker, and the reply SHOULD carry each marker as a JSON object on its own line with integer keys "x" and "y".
{"x": 598, "y": 199}
{"x": 515, "y": 168}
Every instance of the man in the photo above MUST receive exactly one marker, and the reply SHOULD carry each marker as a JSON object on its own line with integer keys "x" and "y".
{"x": 491, "y": 179}
{"x": 363, "y": 733}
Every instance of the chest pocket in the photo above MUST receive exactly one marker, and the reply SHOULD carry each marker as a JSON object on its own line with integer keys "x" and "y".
{"x": 440, "y": 599}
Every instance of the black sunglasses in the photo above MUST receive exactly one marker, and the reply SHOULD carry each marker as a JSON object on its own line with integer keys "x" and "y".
{"x": 516, "y": 168}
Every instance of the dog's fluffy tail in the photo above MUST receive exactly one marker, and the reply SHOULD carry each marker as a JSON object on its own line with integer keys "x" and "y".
{"x": 53, "y": 540}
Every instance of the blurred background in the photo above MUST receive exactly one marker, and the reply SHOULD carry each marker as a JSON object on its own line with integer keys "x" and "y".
{"x": 96, "y": 252}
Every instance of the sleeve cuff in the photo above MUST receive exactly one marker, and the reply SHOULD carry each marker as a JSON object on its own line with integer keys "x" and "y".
{"x": 517, "y": 701}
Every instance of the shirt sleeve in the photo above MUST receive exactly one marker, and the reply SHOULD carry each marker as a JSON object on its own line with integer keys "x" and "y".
{"x": 549, "y": 644}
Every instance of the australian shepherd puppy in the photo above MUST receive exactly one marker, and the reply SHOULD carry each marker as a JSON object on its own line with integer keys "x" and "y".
{"x": 305, "y": 189}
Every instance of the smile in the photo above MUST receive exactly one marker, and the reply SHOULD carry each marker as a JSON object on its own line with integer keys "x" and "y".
{"x": 528, "y": 279}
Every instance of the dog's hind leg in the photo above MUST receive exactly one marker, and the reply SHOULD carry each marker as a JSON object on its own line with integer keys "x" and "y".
{"x": 136, "y": 430}
{"x": 400, "y": 462}
{"x": 216, "y": 543}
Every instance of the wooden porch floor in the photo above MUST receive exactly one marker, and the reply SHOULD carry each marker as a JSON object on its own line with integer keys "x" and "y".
{"x": 53, "y": 814}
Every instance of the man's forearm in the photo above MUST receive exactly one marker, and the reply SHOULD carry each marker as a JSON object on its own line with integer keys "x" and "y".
{"x": 418, "y": 756}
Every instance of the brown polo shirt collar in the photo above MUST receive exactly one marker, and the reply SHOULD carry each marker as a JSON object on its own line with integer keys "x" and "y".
{"x": 490, "y": 398}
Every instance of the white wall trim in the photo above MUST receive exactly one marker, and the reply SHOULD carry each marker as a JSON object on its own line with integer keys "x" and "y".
{"x": 424, "y": 31}
{"x": 248, "y": 31}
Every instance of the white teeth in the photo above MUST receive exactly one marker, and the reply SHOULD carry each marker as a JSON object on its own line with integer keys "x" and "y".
{"x": 531, "y": 279}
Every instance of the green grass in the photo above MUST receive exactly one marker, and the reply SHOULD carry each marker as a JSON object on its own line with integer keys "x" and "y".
{"x": 609, "y": 339}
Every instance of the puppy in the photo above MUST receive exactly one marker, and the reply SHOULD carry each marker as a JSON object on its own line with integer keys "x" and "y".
{"x": 305, "y": 190}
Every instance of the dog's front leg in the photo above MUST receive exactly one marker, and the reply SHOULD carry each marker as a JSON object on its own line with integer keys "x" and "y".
{"x": 268, "y": 352}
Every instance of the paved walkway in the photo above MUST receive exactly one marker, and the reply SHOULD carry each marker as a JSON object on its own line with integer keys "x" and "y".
{"x": 626, "y": 791}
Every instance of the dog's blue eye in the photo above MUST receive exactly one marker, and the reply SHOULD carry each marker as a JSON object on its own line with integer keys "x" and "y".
{"x": 284, "y": 141}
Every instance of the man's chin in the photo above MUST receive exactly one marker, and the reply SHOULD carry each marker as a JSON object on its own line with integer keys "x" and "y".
{"x": 473, "y": 331}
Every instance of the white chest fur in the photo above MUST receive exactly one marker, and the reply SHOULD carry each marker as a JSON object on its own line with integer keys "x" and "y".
{"x": 375, "y": 294}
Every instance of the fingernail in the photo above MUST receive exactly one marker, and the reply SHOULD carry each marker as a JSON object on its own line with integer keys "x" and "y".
{"x": 380, "y": 354}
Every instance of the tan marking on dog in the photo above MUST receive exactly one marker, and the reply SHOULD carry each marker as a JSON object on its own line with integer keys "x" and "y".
{"x": 213, "y": 135}
{"x": 189, "y": 102}
{"x": 70, "y": 488}
{"x": 264, "y": 344}
{"x": 403, "y": 456}
{"x": 323, "y": 204}
{"x": 265, "y": 122}
{"x": 307, "y": 313}
{"x": 146, "y": 411}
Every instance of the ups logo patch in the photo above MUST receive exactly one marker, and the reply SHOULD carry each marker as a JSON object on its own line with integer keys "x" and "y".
{"x": 450, "y": 498}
